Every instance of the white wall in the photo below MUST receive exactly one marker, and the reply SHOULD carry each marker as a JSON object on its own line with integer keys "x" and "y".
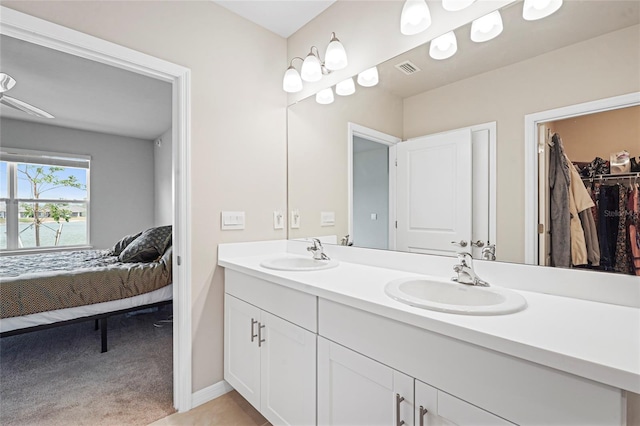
{"x": 121, "y": 174}
{"x": 162, "y": 179}
{"x": 370, "y": 194}
{"x": 238, "y": 129}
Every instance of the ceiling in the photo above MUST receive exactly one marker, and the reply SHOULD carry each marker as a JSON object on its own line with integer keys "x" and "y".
{"x": 283, "y": 17}
{"x": 84, "y": 94}
{"x": 576, "y": 21}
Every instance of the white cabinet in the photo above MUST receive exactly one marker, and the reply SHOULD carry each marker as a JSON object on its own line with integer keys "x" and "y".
{"x": 437, "y": 408}
{"x": 271, "y": 363}
{"x": 356, "y": 390}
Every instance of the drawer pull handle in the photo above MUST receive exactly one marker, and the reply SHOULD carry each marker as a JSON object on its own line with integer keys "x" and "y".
{"x": 260, "y": 339}
{"x": 399, "y": 399}
{"x": 423, "y": 412}
{"x": 253, "y": 323}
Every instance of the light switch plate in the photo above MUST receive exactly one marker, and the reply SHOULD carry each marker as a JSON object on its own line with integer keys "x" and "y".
{"x": 327, "y": 218}
{"x": 278, "y": 220}
{"x": 232, "y": 221}
{"x": 295, "y": 219}
{"x": 374, "y": 216}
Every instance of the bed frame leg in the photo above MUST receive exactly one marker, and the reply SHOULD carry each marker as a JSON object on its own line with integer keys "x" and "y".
{"x": 103, "y": 333}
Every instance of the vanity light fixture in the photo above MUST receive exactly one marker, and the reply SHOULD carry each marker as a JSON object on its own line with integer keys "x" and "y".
{"x": 313, "y": 68}
{"x": 369, "y": 77}
{"x": 455, "y": 5}
{"x": 325, "y": 96}
{"x": 346, "y": 87}
{"x": 415, "y": 17}
{"x": 487, "y": 27}
{"x": 538, "y": 9}
{"x": 443, "y": 47}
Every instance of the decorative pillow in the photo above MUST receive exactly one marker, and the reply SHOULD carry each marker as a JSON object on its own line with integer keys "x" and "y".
{"x": 123, "y": 243}
{"x": 151, "y": 244}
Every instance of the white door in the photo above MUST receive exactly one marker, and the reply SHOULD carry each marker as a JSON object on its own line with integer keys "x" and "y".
{"x": 434, "y": 195}
{"x": 355, "y": 390}
{"x": 288, "y": 370}
{"x": 241, "y": 352}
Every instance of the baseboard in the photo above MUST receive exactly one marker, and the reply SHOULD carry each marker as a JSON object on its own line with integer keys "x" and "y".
{"x": 210, "y": 393}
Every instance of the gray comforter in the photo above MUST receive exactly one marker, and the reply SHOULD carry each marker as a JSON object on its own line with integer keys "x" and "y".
{"x": 44, "y": 282}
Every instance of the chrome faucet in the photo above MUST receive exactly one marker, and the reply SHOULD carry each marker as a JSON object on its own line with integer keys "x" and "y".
{"x": 466, "y": 274}
{"x": 489, "y": 252}
{"x": 317, "y": 250}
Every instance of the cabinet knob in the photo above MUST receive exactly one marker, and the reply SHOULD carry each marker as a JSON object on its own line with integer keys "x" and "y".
{"x": 399, "y": 399}
{"x": 253, "y": 323}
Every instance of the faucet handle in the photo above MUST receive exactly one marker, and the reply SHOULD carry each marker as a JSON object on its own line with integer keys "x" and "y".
{"x": 462, "y": 243}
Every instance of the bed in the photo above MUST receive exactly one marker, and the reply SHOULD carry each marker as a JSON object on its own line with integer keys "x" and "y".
{"x": 52, "y": 289}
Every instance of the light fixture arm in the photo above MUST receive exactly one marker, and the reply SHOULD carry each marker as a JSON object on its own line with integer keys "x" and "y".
{"x": 293, "y": 59}
{"x": 323, "y": 68}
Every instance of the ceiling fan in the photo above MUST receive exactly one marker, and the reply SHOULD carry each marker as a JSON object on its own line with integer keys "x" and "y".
{"x": 6, "y": 83}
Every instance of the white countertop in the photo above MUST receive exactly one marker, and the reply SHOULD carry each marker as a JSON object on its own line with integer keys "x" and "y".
{"x": 597, "y": 341}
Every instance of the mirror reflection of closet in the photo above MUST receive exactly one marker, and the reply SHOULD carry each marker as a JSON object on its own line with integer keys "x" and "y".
{"x": 606, "y": 233}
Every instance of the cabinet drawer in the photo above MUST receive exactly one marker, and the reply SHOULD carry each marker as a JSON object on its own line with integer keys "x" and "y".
{"x": 293, "y": 305}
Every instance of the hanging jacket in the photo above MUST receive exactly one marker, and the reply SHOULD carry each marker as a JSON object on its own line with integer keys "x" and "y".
{"x": 559, "y": 181}
{"x": 579, "y": 201}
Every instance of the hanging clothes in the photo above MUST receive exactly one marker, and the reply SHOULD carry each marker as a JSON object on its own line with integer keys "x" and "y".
{"x": 622, "y": 254}
{"x": 579, "y": 201}
{"x": 559, "y": 181}
{"x": 607, "y": 226}
{"x": 634, "y": 229}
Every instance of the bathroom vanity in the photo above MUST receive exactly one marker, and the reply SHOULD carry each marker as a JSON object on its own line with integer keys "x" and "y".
{"x": 330, "y": 347}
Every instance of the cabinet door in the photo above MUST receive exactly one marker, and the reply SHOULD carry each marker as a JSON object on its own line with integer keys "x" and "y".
{"x": 288, "y": 372}
{"x": 241, "y": 352}
{"x": 355, "y": 390}
{"x": 443, "y": 409}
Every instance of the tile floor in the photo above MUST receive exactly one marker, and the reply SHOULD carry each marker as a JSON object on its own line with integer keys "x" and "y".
{"x": 228, "y": 410}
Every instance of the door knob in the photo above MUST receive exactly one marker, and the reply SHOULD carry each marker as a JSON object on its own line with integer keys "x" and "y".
{"x": 478, "y": 243}
{"x": 462, "y": 243}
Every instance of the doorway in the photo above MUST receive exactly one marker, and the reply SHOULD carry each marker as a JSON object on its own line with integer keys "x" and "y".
{"x": 25, "y": 27}
{"x": 535, "y": 164}
{"x": 371, "y": 188}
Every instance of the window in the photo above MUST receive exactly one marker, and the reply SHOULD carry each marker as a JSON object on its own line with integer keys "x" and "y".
{"x": 44, "y": 199}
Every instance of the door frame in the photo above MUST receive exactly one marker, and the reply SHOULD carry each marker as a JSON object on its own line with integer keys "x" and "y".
{"x": 532, "y": 149}
{"x": 53, "y": 36}
{"x": 390, "y": 141}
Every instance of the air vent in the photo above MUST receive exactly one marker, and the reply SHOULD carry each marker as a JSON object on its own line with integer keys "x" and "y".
{"x": 408, "y": 67}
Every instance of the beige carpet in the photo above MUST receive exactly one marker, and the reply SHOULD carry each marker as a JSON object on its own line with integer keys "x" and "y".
{"x": 59, "y": 377}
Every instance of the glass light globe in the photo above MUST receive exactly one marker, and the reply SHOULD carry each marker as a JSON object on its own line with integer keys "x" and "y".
{"x": 311, "y": 70}
{"x": 538, "y": 9}
{"x": 415, "y": 17}
{"x": 291, "y": 83}
{"x": 336, "y": 57}
{"x": 368, "y": 78}
{"x": 346, "y": 87}
{"x": 325, "y": 96}
{"x": 486, "y": 28}
{"x": 443, "y": 47}
{"x": 455, "y": 5}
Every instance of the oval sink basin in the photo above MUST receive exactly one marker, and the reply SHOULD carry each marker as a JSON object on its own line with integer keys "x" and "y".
{"x": 297, "y": 263}
{"x": 455, "y": 298}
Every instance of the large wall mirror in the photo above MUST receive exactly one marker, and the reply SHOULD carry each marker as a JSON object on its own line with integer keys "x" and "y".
{"x": 345, "y": 152}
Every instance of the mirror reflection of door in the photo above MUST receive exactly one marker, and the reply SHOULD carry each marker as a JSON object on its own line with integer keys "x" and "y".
{"x": 444, "y": 196}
